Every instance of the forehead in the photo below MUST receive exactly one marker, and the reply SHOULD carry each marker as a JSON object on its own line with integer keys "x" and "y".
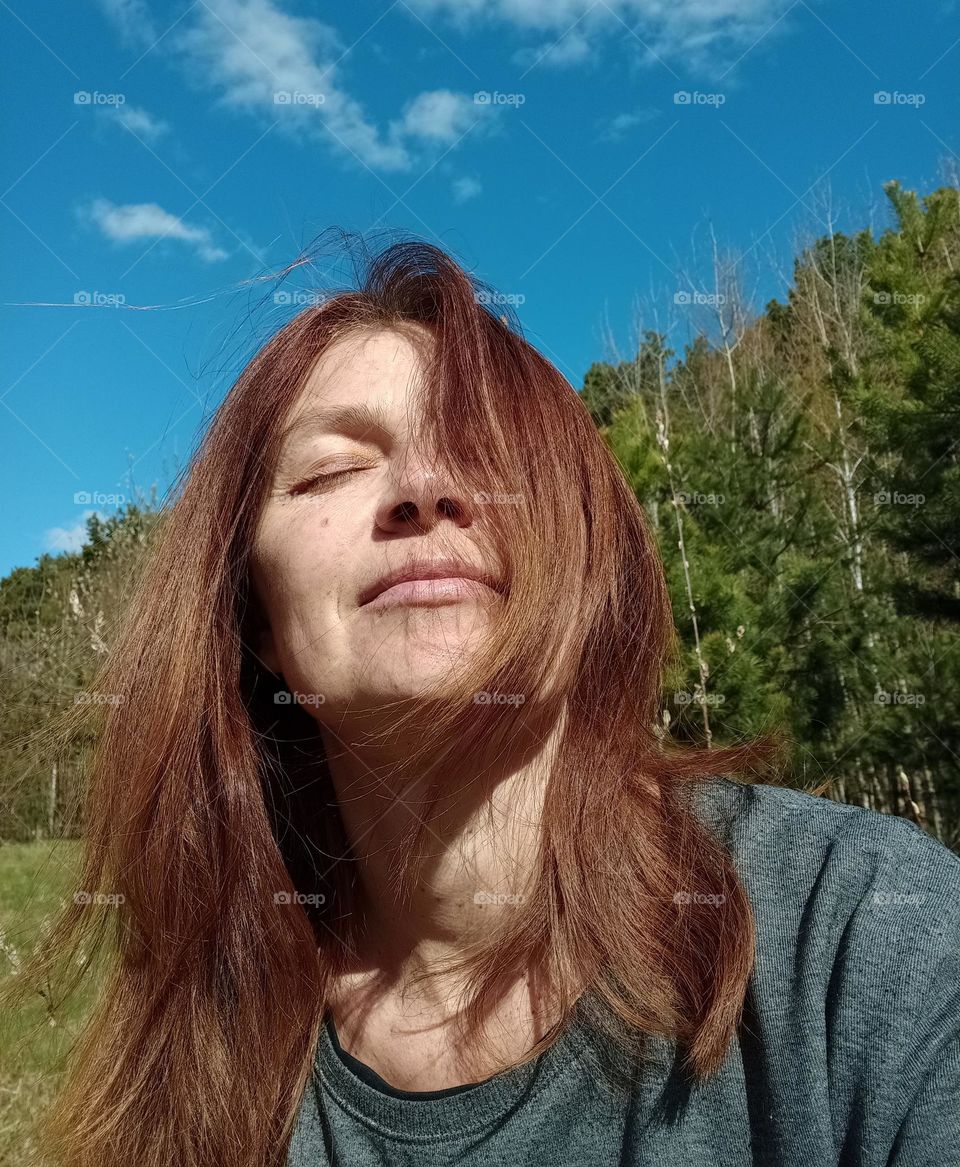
{"x": 363, "y": 363}
{"x": 359, "y": 381}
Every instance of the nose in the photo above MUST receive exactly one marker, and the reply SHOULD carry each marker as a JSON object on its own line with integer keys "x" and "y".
{"x": 420, "y": 498}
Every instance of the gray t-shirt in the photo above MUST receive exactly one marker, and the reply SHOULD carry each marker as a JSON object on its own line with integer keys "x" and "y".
{"x": 848, "y": 1053}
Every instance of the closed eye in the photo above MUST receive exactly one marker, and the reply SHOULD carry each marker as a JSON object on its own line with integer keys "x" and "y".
{"x": 325, "y": 481}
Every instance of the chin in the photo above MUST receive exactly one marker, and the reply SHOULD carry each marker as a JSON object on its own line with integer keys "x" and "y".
{"x": 418, "y": 634}
{"x": 416, "y": 672}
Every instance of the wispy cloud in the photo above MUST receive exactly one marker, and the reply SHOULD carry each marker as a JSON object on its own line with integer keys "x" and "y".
{"x": 137, "y": 120}
{"x": 133, "y": 221}
{"x": 465, "y": 189}
{"x": 439, "y": 116}
{"x": 256, "y": 58}
{"x": 133, "y": 21}
{"x": 702, "y": 35}
{"x": 613, "y": 129}
{"x": 571, "y": 48}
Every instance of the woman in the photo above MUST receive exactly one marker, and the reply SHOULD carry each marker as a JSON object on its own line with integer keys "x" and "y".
{"x": 406, "y": 872}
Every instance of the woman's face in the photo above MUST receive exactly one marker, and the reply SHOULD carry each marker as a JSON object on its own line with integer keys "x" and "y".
{"x": 355, "y": 496}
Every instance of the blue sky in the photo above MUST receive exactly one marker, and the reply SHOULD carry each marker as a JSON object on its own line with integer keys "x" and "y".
{"x": 162, "y": 158}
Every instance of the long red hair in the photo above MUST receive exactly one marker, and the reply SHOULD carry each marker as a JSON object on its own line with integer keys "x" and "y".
{"x": 208, "y": 805}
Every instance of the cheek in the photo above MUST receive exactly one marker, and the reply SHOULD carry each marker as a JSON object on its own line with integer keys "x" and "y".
{"x": 305, "y": 572}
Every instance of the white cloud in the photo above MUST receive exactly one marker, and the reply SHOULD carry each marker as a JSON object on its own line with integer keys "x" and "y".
{"x": 569, "y": 49}
{"x": 133, "y": 20}
{"x": 259, "y": 59}
{"x": 438, "y": 116}
{"x": 132, "y": 221}
{"x": 465, "y": 189}
{"x": 138, "y": 121}
{"x": 615, "y": 128}
{"x": 703, "y": 34}
{"x": 57, "y": 539}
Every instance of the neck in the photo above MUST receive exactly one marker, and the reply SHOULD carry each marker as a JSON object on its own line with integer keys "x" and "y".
{"x": 480, "y": 826}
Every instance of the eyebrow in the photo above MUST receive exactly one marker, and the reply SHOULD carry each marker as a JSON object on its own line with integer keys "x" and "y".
{"x": 341, "y": 419}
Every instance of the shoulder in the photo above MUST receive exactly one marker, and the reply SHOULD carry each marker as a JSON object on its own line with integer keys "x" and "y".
{"x": 783, "y": 833}
{"x": 806, "y": 860}
{"x": 858, "y": 944}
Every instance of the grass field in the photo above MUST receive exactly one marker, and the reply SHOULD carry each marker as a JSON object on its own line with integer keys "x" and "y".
{"x": 35, "y": 878}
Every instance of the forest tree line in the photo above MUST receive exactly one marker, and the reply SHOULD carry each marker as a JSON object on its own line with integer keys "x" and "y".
{"x": 800, "y": 468}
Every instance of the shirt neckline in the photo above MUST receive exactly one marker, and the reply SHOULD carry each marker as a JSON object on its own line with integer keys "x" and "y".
{"x": 475, "y": 1109}
{"x": 433, "y": 1118}
{"x": 368, "y": 1074}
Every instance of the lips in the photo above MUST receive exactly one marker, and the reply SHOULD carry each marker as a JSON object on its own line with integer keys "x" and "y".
{"x": 459, "y": 579}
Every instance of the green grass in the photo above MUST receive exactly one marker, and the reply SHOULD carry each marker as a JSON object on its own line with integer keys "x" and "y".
{"x": 35, "y": 879}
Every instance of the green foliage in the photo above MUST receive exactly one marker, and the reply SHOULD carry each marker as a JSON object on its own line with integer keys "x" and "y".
{"x": 56, "y": 622}
{"x": 914, "y": 425}
{"x": 809, "y": 603}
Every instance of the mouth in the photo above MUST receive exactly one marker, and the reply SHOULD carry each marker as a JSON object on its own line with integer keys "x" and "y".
{"x": 430, "y": 583}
